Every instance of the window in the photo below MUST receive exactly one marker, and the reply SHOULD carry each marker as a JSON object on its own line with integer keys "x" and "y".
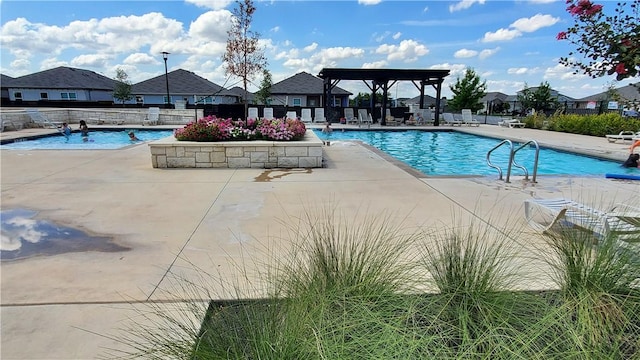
{"x": 68, "y": 96}
{"x": 17, "y": 95}
{"x": 205, "y": 100}
{"x": 336, "y": 101}
{"x": 297, "y": 102}
{"x": 139, "y": 99}
{"x": 44, "y": 96}
{"x": 164, "y": 98}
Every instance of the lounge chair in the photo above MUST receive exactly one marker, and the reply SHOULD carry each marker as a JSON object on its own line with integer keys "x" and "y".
{"x": 467, "y": 118}
{"x": 39, "y": 119}
{"x": 252, "y": 113}
{"x": 511, "y": 123}
{"x": 305, "y": 116}
{"x": 152, "y": 116}
{"x": 621, "y": 221}
{"x": 268, "y": 113}
{"x": 291, "y": 115}
{"x": 427, "y": 119}
{"x": 15, "y": 125}
{"x": 319, "y": 116}
{"x": 623, "y": 136}
{"x": 449, "y": 119}
{"x": 364, "y": 117}
{"x": 389, "y": 120}
{"x": 349, "y": 116}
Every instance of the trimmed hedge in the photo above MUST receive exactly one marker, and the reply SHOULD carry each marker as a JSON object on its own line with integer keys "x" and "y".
{"x": 594, "y": 125}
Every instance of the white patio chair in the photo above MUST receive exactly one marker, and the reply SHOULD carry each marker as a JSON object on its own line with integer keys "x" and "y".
{"x": 467, "y": 118}
{"x": 291, "y": 115}
{"x": 305, "y": 116}
{"x": 252, "y": 113}
{"x": 268, "y": 113}
{"x": 546, "y": 215}
{"x": 319, "y": 116}
{"x": 153, "y": 115}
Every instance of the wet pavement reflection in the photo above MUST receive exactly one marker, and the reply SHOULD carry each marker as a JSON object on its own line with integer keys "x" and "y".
{"x": 24, "y": 236}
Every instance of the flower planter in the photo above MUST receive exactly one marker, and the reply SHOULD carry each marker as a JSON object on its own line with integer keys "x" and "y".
{"x": 261, "y": 154}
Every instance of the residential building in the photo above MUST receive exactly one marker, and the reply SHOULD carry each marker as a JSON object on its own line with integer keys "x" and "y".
{"x": 305, "y": 90}
{"x": 184, "y": 86}
{"x": 61, "y": 84}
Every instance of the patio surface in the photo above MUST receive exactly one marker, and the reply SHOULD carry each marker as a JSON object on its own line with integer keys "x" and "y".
{"x": 67, "y": 306}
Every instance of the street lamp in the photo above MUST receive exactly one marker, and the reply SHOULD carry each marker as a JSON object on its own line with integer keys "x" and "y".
{"x": 165, "y": 56}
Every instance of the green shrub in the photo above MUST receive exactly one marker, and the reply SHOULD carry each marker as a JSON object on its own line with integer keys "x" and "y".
{"x": 593, "y": 125}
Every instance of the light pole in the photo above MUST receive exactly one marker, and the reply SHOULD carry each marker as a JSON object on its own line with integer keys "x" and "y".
{"x": 165, "y": 56}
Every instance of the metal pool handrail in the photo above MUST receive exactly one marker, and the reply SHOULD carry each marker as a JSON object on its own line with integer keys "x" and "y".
{"x": 510, "y": 159}
{"x": 535, "y": 161}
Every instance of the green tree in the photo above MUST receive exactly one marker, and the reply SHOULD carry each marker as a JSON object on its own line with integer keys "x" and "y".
{"x": 364, "y": 99}
{"x": 263, "y": 94}
{"x": 610, "y": 44}
{"x": 244, "y": 57}
{"x": 122, "y": 90}
{"x": 467, "y": 92}
{"x": 540, "y": 99}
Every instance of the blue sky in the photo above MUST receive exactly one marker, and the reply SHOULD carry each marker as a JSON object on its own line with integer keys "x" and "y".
{"x": 508, "y": 43}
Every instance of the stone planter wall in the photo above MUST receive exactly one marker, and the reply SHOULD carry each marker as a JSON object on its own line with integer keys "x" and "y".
{"x": 171, "y": 153}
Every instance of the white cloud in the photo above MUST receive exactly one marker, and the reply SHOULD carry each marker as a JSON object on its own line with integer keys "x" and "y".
{"x": 311, "y": 47}
{"x": 369, "y": 2}
{"x": 517, "y": 71}
{"x": 407, "y": 51}
{"x": 212, "y": 25}
{"x": 487, "y": 53}
{"x": 396, "y": 36}
{"x": 465, "y": 53}
{"x": 275, "y": 29}
{"x": 375, "y": 65}
{"x": 519, "y": 26}
{"x": 140, "y": 58}
{"x": 563, "y": 73}
{"x": 210, "y": 4}
{"x": 323, "y": 58}
{"x": 91, "y": 60}
{"x": 501, "y": 35}
{"x": 534, "y": 23}
{"x": 464, "y": 4}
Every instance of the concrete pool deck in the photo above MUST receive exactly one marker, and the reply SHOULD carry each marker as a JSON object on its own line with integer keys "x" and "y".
{"x": 68, "y": 306}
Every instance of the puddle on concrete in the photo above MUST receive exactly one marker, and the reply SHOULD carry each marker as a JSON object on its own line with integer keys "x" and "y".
{"x": 268, "y": 175}
{"x": 25, "y": 237}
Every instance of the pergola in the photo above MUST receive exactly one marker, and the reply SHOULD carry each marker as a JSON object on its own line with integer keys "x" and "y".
{"x": 384, "y": 79}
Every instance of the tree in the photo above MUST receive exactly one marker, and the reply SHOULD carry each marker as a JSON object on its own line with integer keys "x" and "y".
{"x": 122, "y": 90}
{"x": 263, "y": 94}
{"x": 610, "y": 44}
{"x": 540, "y": 99}
{"x": 467, "y": 92}
{"x": 243, "y": 58}
{"x": 364, "y": 99}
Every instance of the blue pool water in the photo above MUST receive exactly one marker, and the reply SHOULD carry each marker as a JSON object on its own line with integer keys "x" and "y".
{"x": 98, "y": 140}
{"x": 453, "y": 153}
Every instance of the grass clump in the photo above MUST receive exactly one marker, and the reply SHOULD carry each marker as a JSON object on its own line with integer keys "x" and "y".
{"x": 356, "y": 290}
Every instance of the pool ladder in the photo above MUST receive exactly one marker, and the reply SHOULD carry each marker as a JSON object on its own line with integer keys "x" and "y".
{"x": 512, "y": 160}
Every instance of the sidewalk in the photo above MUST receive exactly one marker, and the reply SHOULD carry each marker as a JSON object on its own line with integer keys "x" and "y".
{"x": 66, "y": 306}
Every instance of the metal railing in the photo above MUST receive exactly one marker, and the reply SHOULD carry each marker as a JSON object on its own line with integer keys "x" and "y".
{"x": 512, "y": 161}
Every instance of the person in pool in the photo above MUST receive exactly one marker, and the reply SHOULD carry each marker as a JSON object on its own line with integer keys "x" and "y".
{"x": 632, "y": 161}
{"x": 65, "y": 130}
{"x": 133, "y": 136}
{"x": 84, "y": 129}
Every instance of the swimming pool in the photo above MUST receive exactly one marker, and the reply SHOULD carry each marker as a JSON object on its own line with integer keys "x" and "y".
{"x": 98, "y": 140}
{"x": 441, "y": 153}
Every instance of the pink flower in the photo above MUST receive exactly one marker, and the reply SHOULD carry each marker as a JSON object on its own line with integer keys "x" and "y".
{"x": 620, "y": 69}
{"x": 561, "y": 35}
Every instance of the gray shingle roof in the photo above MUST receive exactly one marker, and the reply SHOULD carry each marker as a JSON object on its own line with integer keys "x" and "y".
{"x": 629, "y": 92}
{"x": 64, "y": 78}
{"x": 181, "y": 82}
{"x": 5, "y": 80}
{"x": 428, "y": 100}
{"x": 304, "y": 84}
